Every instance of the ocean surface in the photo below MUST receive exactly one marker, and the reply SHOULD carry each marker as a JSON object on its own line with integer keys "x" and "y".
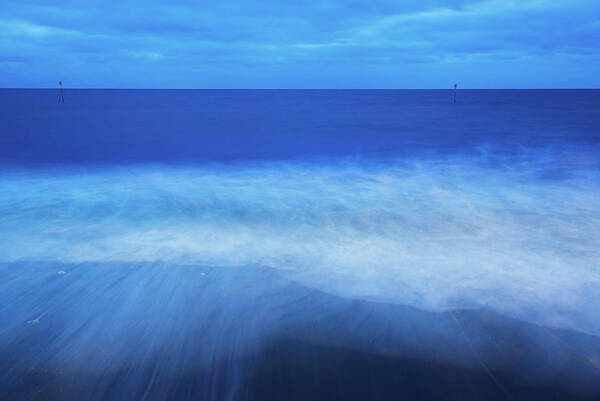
{"x": 299, "y": 244}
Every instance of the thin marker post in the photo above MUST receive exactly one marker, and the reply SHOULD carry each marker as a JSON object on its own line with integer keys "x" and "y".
{"x": 61, "y": 98}
{"x": 454, "y": 98}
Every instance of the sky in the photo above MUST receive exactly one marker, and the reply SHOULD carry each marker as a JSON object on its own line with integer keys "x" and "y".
{"x": 300, "y": 44}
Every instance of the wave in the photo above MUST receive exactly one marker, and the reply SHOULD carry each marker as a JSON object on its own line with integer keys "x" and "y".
{"x": 436, "y": 234}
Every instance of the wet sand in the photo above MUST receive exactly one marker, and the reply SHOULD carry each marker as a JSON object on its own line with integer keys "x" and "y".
{"x": 164, "y": 332}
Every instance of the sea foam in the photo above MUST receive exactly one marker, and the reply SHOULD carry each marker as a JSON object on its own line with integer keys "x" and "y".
{"x": 434, "y": 234}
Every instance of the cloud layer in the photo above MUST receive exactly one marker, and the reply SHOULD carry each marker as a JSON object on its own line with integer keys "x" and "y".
{"x": 387, "y": 44}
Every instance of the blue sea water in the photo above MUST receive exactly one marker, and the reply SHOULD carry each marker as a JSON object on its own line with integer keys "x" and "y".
{"x": 202, "y": 224}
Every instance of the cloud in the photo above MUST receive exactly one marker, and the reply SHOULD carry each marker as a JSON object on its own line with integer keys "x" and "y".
{"x": 27, "y": 29}
{"x": 292, "y": 39}
{"x": 489, "y": 26}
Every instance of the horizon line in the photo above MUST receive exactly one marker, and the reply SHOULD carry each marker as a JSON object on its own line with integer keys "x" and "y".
{"x": 309, "y": 89}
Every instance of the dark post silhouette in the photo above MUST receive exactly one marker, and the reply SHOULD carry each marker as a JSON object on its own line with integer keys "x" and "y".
{"x": 61, "y": 98}
{"x": 454, "y": 99}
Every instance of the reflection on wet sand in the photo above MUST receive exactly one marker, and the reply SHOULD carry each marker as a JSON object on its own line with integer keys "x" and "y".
{"x": 157, "y": 332}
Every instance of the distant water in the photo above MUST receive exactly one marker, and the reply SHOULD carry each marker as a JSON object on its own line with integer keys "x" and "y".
{"x": 282, "y": 211}
{"x": 176, "y": 126}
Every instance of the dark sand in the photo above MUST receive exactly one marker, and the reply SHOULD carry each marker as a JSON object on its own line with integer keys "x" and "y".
{"x": 162, "y": 332}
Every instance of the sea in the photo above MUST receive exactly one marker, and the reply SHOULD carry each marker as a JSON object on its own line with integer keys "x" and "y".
{"x": 299, "y": 245}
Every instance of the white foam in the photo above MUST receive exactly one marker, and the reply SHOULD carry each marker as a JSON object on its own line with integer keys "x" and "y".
{"x": 431, "y": 234}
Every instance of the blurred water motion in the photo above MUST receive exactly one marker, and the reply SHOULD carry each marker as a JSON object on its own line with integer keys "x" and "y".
{"x": 157, "y": 332}
{"x": 309, "y": 245}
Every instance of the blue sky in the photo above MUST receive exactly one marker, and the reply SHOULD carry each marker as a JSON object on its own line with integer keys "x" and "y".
{"x": 300, "y": 44}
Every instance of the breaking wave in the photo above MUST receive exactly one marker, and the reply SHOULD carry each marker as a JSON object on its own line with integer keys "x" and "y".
{"x": 434, "y": 233}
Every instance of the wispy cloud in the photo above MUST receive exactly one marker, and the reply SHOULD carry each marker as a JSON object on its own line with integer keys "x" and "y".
{"x": 309, "y": 44}
{"x": 20, "y": 28}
